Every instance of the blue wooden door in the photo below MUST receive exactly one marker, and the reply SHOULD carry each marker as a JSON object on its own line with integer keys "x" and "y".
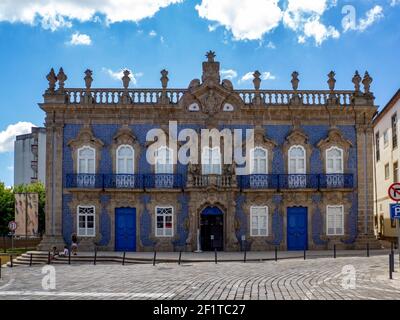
{"x": 125, "y": 229}
{"x": 297, "y": 228}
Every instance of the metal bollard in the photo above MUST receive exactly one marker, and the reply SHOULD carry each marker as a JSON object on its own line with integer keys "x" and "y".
{"x": 123, "y": 259}
{"x": 30, "y": 260}
{"x": 390, "y": 267}
{"x": 11, "y": 261}
{"x": 305, "y": 253}
{"x": 368, "y": 250}
{"x": 393, "y": 269}
{"x": 216, "y": 257}
{"x": 95, "y": 256}
{"x": 49, "y": 258}
{"x": 69, "y": 256}
{"x": 391, "y": 247}
{"x": 180, "y": 257}
{"x": 245, "y": 256}
{"x": 154, "y": 257}
{"x": 334, "y": 251}
{"x": 276, "y": 253}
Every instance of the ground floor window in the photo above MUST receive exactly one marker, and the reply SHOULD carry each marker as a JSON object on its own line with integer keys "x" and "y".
{"x": 86, "y": 221}
{"x": 335, "y": 220}
{"x": 164, "y": 221}
{"x": 259, "y": 221}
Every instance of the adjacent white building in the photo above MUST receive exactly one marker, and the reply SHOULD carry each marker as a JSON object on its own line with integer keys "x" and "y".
{"x": 387, "y": 161}
{"x": 30, "y": 157}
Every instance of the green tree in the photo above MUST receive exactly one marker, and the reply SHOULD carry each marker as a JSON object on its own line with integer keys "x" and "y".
{"x": 34, "y": 188}
{"x": 7, "y": 202}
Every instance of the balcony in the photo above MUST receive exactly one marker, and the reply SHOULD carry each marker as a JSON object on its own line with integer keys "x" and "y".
{"x": 124, "y": 181}
{"x": 296, "y": 181}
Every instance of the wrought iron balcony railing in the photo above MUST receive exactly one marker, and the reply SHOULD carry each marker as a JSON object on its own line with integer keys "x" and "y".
{"x": 296, "y": 181}
{"x": 178, "y": 181}
{"x": 124, "y": 181}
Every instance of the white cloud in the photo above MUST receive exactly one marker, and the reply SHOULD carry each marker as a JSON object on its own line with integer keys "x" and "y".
{"x": 394, "y": 2}
{"x": 247, "y": 19}
{"x": 271, "y": 45}
{"x": 78, "y": 39}
{"x": 373, "y": 15}
{"x": 229, "y": 74}
{"x": 117, "y": 75}
{"x": 7, "y": 136}
{"x": 313, "y": 28}
{"x": 264, "y": 76}
{"x": 54, "y": 14}
{"x": 10, "y": 168}
{"x": 152, "y": 33}
{"x": 304, "y": 17}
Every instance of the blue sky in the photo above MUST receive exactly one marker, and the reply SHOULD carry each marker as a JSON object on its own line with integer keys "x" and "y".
{"x": 274, "y": 37}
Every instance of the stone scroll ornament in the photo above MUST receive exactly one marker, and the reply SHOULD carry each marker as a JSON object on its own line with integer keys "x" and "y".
{"x": 145, "y": 223}
{"x": 52, "y": 79}
{"x": 317, "y": 224}
{"x": 277, "y": 222}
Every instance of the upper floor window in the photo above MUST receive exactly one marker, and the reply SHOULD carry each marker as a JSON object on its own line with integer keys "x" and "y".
{"x": 86, "y": 160}
{"x": 86, "y": 221}
{"x": 377, "y": 150}
{"x": 164, "y": 161}
{"x": 125, "y": 160}
{"x": 334, "y": 160}
{"x": 395, "y": 172}
{"x": 394, "y": 131}
{"x": 387, "y": 171}
{"x": 164, "y": 221}
{"x": 259, "y": 161}
{"x": 297, "y": 160}
{"x": 211, "y": 161}
{"x": 259, "y": 221}
{"x": 386, "y": 138}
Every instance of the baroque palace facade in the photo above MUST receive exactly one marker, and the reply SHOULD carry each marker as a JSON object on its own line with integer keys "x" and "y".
{"x": 310, "y": 183}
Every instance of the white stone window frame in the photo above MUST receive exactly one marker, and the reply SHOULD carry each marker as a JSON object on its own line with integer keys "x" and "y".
{"x": 118, "y": 157}
{"x": 335, "y": 233}
{"x": 171, "y": 158}
{"x": 79, "y": 169}
{"x": 252, "y": 215}
{"x": 86, "y": 215}
{"x": 164, "y": 235}
{"x": 252, "y": 158}
{"x": 210, "y": 165}
{"x": 327, "y": 157}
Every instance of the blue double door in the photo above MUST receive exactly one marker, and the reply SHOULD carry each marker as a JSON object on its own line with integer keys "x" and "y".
{"x": 297, "y": 228}
{"x": 125, "y": 229}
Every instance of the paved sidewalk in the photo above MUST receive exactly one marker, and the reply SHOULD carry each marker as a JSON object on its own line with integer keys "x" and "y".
{"x": 320, "y": 279}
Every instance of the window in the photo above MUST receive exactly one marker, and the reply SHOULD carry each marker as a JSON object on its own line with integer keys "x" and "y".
{"x": 228, "y": 107}
{"x": 86, "y": 221}
{"x": 211, "y": 161}
{"x": 387, "y": 171}
{"x": 164, "y": 161}
{"x": 395, "y": 172}
{"x": 164, "y": 221}
{"x": 334, "y": 160}
{"x": 125, "y": 160}
{"x": 394, "y": 131}
{"x": 297, "y": 167}
{"x": 386, "y": 138}
{"x": 259, "y": 161}
{"x": 86, "y": 160}
{"x": 297, "y": 160}
{"x": 335, "y": 220}
{"x": 259, "y": 221}
{"x": 194, "y": 107}
{"x": 378, "y": 154}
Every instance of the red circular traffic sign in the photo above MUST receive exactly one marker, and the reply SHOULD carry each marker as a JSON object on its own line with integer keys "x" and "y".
{"x": 12, "y": 225}
{"x": 394, "y": 192}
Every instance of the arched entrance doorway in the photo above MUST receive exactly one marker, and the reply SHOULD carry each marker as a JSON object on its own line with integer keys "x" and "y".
{"x": 212, "y": 229}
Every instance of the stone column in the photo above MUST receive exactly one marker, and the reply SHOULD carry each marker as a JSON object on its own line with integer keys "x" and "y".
{"x": 54, "y": 183}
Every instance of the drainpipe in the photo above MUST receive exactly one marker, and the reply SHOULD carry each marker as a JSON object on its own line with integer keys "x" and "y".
{"x": 365, "y": 179}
